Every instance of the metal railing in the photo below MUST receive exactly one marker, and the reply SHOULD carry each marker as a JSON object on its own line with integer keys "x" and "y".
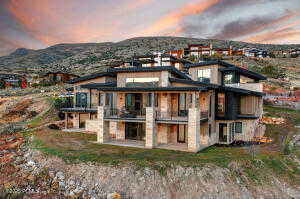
{"x": 125, "y": 113}
{"x": 203, "y": 114}
{"x": 172, "y": 115}
{"x": 78, "y": 109}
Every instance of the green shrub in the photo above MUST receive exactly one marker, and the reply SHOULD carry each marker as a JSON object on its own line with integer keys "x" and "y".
{"x": 273, "y": 72}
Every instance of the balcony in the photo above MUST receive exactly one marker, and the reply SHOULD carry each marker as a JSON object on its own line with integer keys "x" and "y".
{"x": 177, "y": 116}
{"x": 172, "y": 116}
{"x": 125, "y": 114}
{"x": 79, "y": 109}
{"x": 256, "y": 87}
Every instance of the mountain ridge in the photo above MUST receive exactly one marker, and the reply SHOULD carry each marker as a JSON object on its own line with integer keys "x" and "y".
{"x": 82, "y": 57}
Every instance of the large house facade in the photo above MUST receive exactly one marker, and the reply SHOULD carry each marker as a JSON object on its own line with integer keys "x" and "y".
{"x": 184, "y": 107}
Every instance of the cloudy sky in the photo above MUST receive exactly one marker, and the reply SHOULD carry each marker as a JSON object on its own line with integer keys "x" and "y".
{"x": 40, "y": 23}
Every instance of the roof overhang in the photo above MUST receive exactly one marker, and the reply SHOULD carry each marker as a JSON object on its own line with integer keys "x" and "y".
{"x": 91, "y": 76}
{"x": 171, "y": 69}
{"x": 156, "y": 89}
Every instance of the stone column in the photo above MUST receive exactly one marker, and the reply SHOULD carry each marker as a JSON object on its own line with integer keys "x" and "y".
{"x": 165, "y": 104}
{"x": 103, "y": 131}
{"x": 194, "y": 130}
{"x": 151, "y": 131}
{"x": 66, "y": 120}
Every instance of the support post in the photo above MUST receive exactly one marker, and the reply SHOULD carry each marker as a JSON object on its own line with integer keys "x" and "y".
{"x": 151, "y": 131}
{"x": 103, "y": 130}
{"x": 194, "y": 130}
{"x": 66, "y": 120}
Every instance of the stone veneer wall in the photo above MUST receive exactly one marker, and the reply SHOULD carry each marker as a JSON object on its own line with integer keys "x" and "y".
{"x": 151, "y": 128}
{"x": 120, "y": 100}
{"x": 120, "y": 131}
{"x": 103, "y": 132}
{"x": 194, "y": 130}
{"x": 163, "y": 133}
{"x": 113, "y": 127}
{"x": 92, "y": 125}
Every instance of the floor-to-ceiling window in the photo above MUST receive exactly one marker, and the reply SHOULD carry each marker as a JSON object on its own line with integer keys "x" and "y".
{"x": 183, "y": 104}
{"x": 223, "y": 133}
{"x": 81, "y": 100}
{"x": 135, "y": 131}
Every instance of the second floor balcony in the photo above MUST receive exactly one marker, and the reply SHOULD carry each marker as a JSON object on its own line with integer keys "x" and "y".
{"x": 125, "y": 113}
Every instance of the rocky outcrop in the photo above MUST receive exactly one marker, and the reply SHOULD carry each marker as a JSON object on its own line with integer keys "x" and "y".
{"x": 90, "y": 180}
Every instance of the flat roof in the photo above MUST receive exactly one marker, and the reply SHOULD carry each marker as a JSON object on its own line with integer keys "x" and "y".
{"x": 136, "y": 89}
{"x": 229, "y": 67}
{"x": 217, "y": 87}
{"x": 91, "y": 76}
{"x": 99, "y": 85}
{"x": 171, "y": 69}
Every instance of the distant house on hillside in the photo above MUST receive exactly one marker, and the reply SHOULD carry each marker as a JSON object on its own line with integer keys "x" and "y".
{"x": 200, "y": 50}
{"x": 155, "y": 59}
{"x": 12, "y": 81}
{"x": 254, "y": 52}
{"x": 59, "y": 77}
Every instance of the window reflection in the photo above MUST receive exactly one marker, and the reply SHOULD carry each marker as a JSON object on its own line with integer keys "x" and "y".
{"x": 204, "y": 75}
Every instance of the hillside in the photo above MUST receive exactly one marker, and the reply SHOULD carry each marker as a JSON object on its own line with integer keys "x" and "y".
{"x": 39, "y": 162}
{"x": 90, "y": 57}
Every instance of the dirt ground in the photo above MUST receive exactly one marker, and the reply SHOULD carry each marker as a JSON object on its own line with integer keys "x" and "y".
{"x": 20, "y": 109}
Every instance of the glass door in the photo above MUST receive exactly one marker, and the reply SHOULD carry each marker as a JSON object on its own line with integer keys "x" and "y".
{"x": 223, "y": 132}
{"x": 181, "y": 134}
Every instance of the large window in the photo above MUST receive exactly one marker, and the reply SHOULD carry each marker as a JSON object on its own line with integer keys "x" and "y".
{"x": 109, "y": 100}
{"x": 229, "y": 78}
{"x": 81, "y": 99}
{"x": 142, "y": 82}
{"x": 238, "y": 127}
{"x": 223, "y": 132}
{"x": 182, "y": 104}
{"x": 221, "y": 105}
{"x": 204, "y": 75}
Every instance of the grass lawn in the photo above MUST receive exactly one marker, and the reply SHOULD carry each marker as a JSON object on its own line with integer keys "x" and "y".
{"x": 269, "y": 159}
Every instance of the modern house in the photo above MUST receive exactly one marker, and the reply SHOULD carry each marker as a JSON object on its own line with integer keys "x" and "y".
{"x": 200, "y": 50}
{"x": 253, "y": 52}
{"x": 155, "y": 59}
{"x": 184, "y": 108}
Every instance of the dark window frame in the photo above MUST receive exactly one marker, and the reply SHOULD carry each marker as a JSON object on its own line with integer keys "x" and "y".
{"x": 239, "y": 127}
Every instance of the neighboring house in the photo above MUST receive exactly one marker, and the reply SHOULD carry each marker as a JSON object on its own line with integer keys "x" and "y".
{"x": 176, "y": 53}
{"x": 200, "y": 50}
{"x": 163, "y": 107}
{"x": 253, "y": 52}
{"x": 59, "y": 77}
{"x": 287, "y": 53}
{"x": 156, "y": 59}
{"x": 13, "y": 81}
